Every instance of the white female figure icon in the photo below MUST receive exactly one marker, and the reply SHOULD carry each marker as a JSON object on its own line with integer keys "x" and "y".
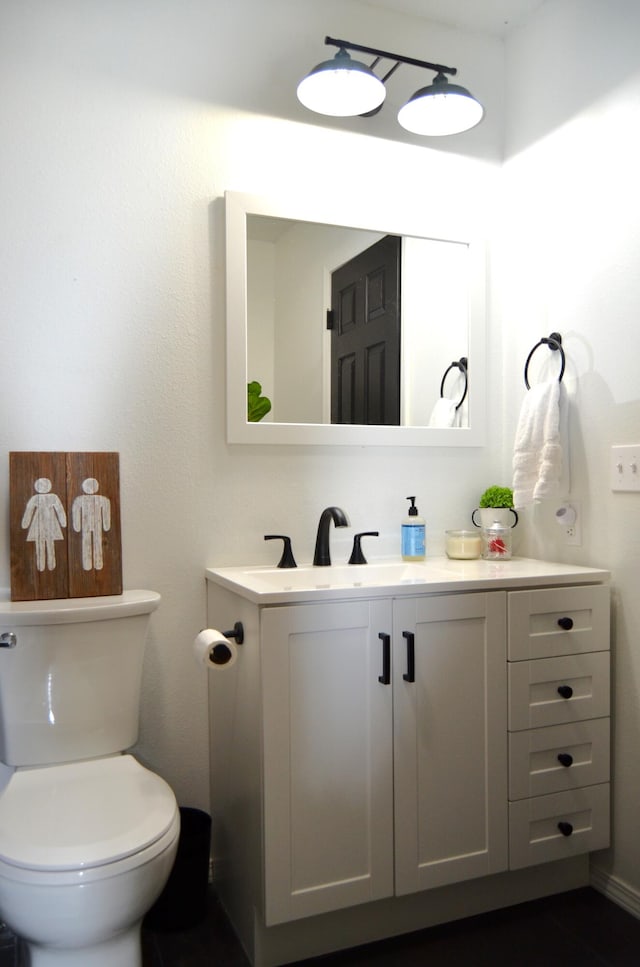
{"x": 45, "y": 517}
{"x": 91, "y": 516}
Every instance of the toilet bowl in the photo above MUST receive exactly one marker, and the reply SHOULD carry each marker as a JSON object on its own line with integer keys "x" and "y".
{"x": 88, "y": 835}
{"x": 85, "y": 849}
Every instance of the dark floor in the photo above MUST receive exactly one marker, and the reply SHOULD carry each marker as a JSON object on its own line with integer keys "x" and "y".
{"x": 577, "y": 929}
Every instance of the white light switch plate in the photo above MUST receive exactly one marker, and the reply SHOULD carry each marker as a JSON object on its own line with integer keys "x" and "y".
{"x": 625, "y": 467}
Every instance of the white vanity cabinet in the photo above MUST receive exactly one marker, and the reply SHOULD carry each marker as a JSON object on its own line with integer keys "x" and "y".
{"x": 384, "y": 766}
{"x": 384, "y": 759}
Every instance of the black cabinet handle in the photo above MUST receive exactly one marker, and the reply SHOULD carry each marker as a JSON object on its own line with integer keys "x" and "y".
{"x": 566, "y": 623}
{"x": 410, "y": 674}
{"x": 565, "y": 690}
{"x": 385, "y": 678}
{"x": 565, "y": 828}
{"x": 565, "y": 759}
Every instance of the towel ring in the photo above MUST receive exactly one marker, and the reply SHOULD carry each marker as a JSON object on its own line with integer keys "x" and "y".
{"x": 554, "y": 342}
{"x": 462, "y": 364}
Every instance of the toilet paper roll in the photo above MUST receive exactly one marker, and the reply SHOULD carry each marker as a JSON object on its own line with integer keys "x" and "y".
{"x": 213, "y": 650}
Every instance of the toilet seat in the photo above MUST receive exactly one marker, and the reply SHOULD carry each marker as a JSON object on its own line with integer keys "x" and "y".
{"x": 83, "y": 815}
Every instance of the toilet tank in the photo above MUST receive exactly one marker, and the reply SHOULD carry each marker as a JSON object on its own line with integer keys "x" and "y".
{"x": 70, "y": 674}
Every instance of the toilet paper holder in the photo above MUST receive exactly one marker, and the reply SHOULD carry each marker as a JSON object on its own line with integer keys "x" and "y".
{"x": 236, "y": 632}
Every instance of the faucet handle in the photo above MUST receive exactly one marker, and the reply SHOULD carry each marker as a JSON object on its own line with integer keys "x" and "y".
{"x": 287, "y": 559}
{"x": 357, "y": 557}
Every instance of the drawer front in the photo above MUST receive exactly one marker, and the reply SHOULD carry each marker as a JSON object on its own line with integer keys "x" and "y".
{"x": 558, "y": 758}
{"x": 535, "y": 826}
{"x": 551, "y": 691}
{"x": 534, "y": 616}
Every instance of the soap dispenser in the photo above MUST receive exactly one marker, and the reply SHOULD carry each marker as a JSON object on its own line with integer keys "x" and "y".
{"x": 413, "y": 534}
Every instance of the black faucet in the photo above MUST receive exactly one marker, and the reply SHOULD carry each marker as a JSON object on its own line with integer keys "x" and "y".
{"x": 322, "y": 558}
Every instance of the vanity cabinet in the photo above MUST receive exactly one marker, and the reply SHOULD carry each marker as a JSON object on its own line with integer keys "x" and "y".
{"x": 558, "y": 723}
{"x": 384, "y": 762}
{"x": 385, "y": 759}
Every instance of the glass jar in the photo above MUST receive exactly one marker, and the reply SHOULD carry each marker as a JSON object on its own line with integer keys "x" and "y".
{"x": 496, "y": 542}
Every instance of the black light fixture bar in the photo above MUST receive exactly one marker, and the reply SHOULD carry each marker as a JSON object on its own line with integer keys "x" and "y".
{"x": 347, "y": 45}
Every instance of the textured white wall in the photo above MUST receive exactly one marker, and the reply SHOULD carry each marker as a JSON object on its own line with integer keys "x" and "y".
{"x": 570, "y": 264}
{"x": 124, "y": 123}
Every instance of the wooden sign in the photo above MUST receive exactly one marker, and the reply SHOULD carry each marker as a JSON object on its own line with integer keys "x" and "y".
{"x": 65, "y": 525}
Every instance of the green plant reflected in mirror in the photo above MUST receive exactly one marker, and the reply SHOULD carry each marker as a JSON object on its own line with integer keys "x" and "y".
{"x": 257, "y": 405}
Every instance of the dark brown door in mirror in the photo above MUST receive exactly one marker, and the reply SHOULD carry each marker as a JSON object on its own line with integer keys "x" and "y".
{"x": 365, "y": 341}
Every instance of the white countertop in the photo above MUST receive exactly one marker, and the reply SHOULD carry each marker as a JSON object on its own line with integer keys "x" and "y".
{"x": 393, "y": 577}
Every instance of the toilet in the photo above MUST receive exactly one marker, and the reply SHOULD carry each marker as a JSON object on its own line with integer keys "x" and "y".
{"x": 88, "y": 835}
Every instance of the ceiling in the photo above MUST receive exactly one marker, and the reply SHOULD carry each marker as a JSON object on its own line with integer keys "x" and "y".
{"x": 487, "y": 16}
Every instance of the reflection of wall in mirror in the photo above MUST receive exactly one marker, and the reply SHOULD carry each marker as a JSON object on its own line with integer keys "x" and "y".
{"x": 435, "y": 325}
{"x": 260, "y": 310}
{"x": 288, "y": 292}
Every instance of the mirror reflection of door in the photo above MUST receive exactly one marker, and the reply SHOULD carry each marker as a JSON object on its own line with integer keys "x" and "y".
{"x": 365, "y": 338}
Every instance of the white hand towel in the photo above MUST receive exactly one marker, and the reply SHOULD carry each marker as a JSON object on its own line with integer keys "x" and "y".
{"x": 537, "y": 455}
{"x": 444, "y": 413}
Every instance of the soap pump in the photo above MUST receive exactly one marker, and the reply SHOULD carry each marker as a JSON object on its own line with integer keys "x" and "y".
{"x": 413, "y": 534}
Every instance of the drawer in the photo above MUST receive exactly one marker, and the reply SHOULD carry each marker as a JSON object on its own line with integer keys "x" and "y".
{"x": 536, "y": 770}
{"x": 534, "y": 631}
{"x": 535, "y": 826}
{"x": 534, "y": 699}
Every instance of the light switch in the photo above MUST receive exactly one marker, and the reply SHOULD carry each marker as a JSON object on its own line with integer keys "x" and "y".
{"x": 625, "y": 467}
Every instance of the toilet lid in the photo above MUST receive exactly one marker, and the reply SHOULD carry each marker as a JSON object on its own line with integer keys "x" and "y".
{"x": 82, "y": 814}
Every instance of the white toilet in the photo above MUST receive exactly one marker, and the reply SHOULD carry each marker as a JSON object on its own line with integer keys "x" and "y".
{"x": 88, "y": 836}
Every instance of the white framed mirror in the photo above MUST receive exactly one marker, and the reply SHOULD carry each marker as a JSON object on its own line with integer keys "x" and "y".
{"x": 281, "y": 253}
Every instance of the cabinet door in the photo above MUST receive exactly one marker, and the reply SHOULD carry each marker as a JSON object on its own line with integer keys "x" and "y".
{"x": 450, "y": 745}
{"x": 328, "y": 775}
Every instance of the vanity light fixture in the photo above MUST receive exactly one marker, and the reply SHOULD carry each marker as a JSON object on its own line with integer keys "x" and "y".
{"x": 344, "y": 87}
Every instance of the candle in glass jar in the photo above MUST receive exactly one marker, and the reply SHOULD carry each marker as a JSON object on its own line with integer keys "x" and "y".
{"x": 462, "y": 545}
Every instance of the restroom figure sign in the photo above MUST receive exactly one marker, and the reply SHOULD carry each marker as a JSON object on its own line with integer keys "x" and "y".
{"x": 65, "y": 525}
{"x": 43, "y": 518}
{"x": 91, "y": 517}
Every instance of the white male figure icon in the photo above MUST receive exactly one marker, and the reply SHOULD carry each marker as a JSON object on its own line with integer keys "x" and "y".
{"x": 45, "y": 517}
{"x": 91, "y": 516}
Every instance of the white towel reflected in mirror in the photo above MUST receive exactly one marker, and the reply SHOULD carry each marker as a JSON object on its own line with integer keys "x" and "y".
{"x": 444, "y": 413}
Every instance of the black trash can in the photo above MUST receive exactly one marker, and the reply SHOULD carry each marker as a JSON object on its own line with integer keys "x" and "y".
{"x": 183, "y": 902}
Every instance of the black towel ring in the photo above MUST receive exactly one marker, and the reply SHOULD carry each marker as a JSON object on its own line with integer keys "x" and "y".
{"x": 554, "y": 342}
{"x": 462, "y": 364}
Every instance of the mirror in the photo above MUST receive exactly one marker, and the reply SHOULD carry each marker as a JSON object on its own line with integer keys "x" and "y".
{"x": 280, "y": 258}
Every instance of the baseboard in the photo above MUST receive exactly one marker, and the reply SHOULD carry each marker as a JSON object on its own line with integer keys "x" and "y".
{"x": 616, "y": 890}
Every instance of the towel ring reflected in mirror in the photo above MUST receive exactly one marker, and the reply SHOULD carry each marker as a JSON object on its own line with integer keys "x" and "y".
{"x": 463, "y": 365}
{"x": 554, "y": 342}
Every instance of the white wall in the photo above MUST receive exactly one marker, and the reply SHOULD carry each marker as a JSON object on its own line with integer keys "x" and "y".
{"x": 569, "y": 263}
{"x": 124, "y": 123}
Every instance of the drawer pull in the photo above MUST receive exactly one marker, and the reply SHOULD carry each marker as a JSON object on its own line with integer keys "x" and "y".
{"x": 565, "y": 690}
{"x": 565, "y": 828}
{"x": 565, "y": 759}
{"x": 566, "y": 623}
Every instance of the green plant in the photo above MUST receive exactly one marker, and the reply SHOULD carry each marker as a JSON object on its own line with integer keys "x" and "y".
{"x": 257, "y": 405}
{"x": 497, "y": 497}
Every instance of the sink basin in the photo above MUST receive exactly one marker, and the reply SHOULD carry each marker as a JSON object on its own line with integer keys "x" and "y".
{"x": 337, "y": 576}
{"x": 272, "y": 584}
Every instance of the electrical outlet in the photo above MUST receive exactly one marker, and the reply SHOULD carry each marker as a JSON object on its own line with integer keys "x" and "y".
{"x": 625, "y": 467}
{"x": 568, "y": 517}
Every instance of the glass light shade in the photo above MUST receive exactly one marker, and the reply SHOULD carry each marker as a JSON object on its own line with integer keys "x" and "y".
{"x": 341, "y": 87}
{"x": 441, "y": 109}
